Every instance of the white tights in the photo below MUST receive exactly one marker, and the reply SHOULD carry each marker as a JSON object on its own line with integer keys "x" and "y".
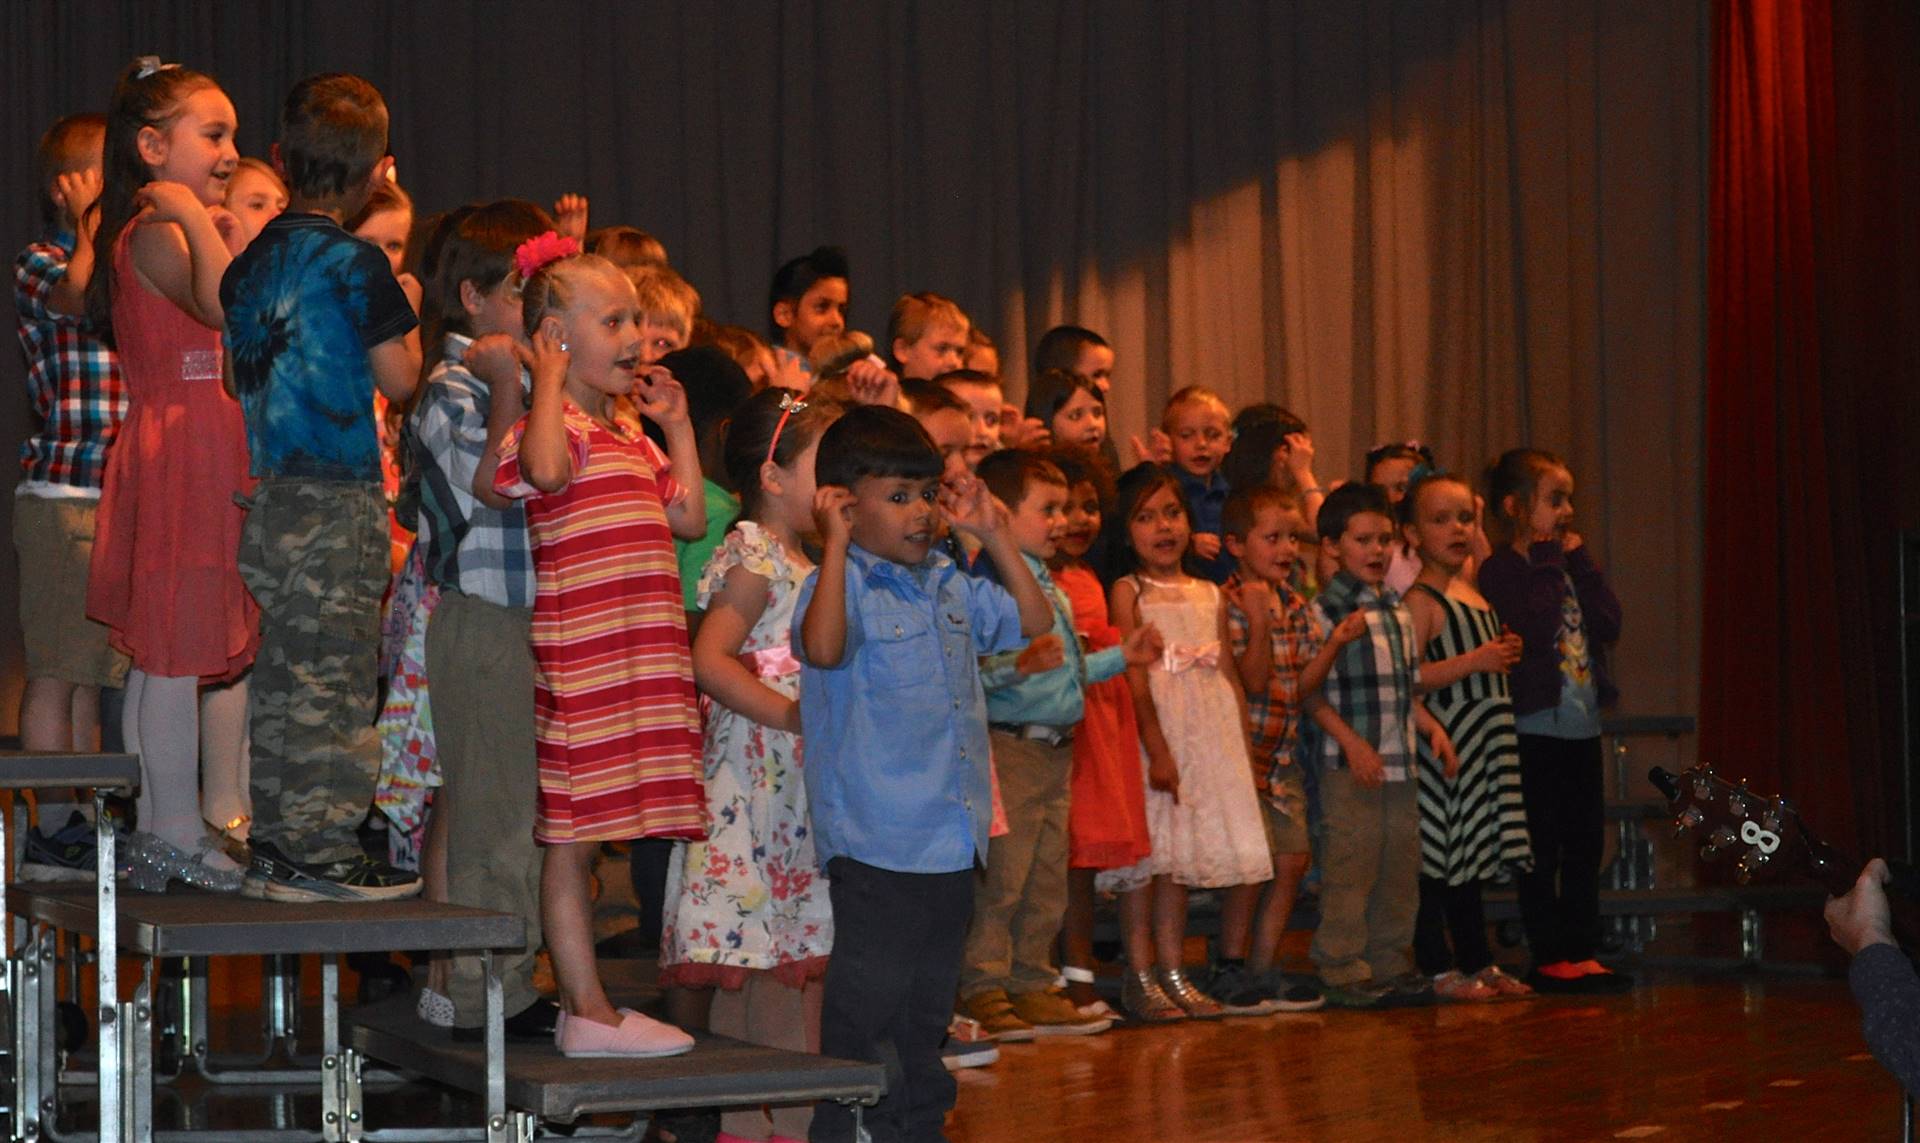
{"x": 170, "y": 725}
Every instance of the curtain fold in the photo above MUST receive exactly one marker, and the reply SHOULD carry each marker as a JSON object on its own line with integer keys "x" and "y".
{"x": 1479, "y": 223}
{"x": 1773, "y": 697}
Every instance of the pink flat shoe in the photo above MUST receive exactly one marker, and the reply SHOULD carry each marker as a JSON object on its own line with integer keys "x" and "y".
{"x": 637, "y": 1037}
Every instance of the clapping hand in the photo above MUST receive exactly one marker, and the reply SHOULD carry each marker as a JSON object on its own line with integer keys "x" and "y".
{"x": 659, "y": 395}
{"x": 496, "y": 358}
{"x": 973, "y": 509}
{"x": 873, "y": 383}
{"x": 1143, "y": 646}
{"x": 1350, "y": 628}
{"x": 1042, "y": 655}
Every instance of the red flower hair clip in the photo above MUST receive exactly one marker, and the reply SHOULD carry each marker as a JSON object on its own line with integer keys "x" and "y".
{"x": 542, "y": 250}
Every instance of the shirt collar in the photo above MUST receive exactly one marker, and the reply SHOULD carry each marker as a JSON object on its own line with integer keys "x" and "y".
{"x": 1192, "y": 484}
{"x": 1345, "y": 589}
{"x": 921, "y": 575}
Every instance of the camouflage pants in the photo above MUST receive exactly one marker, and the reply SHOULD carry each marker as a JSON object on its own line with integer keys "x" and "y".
{"x": 314, "y": 554}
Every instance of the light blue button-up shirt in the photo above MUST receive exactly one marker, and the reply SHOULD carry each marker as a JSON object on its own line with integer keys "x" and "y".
{"x": 1055, "y": 698}
{"x": 896, "y": 735}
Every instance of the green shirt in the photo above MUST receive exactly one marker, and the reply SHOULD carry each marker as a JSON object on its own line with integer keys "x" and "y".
{"x": 722, "y": 507}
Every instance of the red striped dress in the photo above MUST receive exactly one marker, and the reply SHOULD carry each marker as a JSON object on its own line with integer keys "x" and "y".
{"x": 616, "y": 728}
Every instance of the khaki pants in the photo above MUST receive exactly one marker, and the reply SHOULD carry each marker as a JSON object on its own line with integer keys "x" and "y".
{"x": 480, "y": 674}
{"x": 1021, "y": 896}
{"x": 54, "y": 539}
{"x": 1370, "y": 879}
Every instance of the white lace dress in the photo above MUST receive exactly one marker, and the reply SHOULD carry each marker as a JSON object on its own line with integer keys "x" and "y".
{"x": 1214, "y": 836}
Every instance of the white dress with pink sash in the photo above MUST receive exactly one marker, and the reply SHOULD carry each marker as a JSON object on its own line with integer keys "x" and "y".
{"x": 750, "y": 897}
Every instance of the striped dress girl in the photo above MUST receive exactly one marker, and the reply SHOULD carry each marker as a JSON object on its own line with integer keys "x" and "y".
{"x": 616, "y": 726}
{"x": 1476, "y": 823}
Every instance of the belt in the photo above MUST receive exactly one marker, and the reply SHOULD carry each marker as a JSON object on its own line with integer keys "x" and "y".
{"x": 1036, "y": 732}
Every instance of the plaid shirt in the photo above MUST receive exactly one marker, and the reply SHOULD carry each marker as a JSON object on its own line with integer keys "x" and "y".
{"x": 1275, "y": 712}
{"x": 474, "y": 549}
{"x": 73, "y": 377}
{"x": 1373, "y": 678}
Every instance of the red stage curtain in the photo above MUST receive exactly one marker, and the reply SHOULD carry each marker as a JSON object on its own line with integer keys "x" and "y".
{"x": 1773, "y": 697}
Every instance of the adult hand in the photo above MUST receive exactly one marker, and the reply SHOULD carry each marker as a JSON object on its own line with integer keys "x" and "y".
{"x": 1861, "y": 917}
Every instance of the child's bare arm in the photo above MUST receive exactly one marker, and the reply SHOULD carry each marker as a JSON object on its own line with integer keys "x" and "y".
{"x": 497, "y": 359}
{"x": 980, "y": 513}
{"x": 661, "y": 397}
{"x": 823, "y": 630}
{"x": 1365, "y": 763}
{"x": 546, "y": 461}
{"x": 1321, "y": 665}
{"x": 396, "y": 365}
{"x": 75, "y": 192}
{"x": 1232, "y": 673}
{"x": 1437, "y": 738}
{"x": 717, "y": 668}
{"x": 183, "y": 262}
{"x": 1256, "y": 658}
{"x": 1495, "y": 656}
{"x": 1162, "y": 772}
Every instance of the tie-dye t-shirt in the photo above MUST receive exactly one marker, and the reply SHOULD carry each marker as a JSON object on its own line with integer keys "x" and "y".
{"x": 304, "y": 303}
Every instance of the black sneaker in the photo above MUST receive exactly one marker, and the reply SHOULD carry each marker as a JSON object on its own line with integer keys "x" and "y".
{"x": 1291, "y": 993}
{"x": 1240, "y": 992}
{"x": 531, "y": 1025}
{"x": 276, "y": 877}
{"x": 70, "y": 854}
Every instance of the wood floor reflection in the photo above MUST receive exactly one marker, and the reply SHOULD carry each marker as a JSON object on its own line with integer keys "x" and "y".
{"x": 1683, "y": 1057}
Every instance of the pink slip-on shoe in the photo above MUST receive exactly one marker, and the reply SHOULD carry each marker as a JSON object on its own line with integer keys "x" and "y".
{"x": 637, "y": 1037}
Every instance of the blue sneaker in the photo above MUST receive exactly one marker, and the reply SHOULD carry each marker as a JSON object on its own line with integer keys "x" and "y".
{"x": 69, "y": 855}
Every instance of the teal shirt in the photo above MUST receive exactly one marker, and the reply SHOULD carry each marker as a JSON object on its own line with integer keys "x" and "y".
{"x": 1051, "y": 698}
{"x": 722, "y": 507}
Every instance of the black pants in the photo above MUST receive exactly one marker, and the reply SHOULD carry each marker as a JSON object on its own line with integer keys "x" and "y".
{"x": 897, "y": 941}
{"x": 1454, "y": 911}
{"x": 647, "y": 865}
{"x": 1563, "y": 781}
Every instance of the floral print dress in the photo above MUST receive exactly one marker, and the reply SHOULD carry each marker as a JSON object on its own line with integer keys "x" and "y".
{"x": 750, "y": 897}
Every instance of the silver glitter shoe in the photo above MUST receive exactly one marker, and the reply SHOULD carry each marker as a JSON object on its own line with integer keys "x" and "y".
{"x": 153, "y": 861}
{"x": 1142, "y": 999}
{"x": 1187, "y": 995}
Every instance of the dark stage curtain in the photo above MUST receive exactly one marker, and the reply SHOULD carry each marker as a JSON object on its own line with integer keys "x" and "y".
{"x": 1473, "y": 222}
{"x": 1811, "y": 400}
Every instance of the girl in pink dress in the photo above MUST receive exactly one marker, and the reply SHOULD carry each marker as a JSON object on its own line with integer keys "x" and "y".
{"x": 164, "y": 578}
{"x": 616, "y": 729}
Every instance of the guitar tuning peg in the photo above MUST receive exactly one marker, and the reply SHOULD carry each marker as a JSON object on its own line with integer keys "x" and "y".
{"x": 1742, "y": 872}
{"x": 1717, "y": 843}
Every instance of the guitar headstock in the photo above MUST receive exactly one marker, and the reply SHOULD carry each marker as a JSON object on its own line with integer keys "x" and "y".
{"x": 1764, "y": 836}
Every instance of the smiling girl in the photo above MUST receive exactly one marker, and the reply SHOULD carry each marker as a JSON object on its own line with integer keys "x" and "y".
{"x": 165, "y": 577}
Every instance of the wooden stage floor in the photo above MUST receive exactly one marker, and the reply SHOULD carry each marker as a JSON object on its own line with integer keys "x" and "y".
{"x": 1683, "y": 1057}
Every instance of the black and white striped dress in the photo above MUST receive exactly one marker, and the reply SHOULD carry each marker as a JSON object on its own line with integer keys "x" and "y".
{"x": 1474, "y": 824}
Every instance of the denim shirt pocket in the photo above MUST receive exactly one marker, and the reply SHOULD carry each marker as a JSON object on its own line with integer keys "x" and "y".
{"x": 902, "y": 649}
